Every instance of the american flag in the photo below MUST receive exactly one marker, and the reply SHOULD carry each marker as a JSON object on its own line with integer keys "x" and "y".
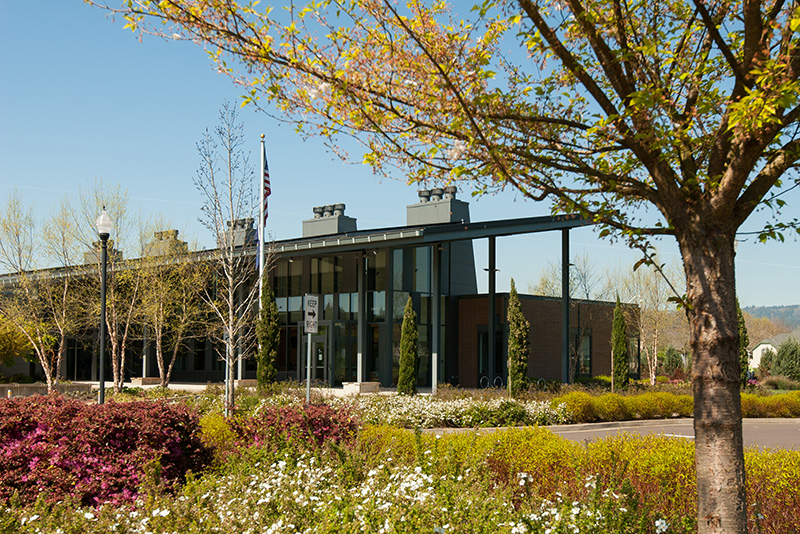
{"x": 266, "y": 185}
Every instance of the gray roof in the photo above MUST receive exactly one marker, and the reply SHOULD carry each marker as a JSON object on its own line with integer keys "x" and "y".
{"x": 778, "y": 340}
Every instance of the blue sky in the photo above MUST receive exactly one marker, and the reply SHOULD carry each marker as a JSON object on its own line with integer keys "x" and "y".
{"x": 82, "y": 99}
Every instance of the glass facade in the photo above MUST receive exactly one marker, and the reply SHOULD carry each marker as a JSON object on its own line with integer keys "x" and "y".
{"x": 390, "y": 277}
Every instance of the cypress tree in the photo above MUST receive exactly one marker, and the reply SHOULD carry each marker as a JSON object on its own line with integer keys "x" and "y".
{"x": 268, "y": 334}
{"x": 787, "y": 361}
{"x": 519, "y": 344}
{"x": 744, "y": 340}
{"x": 409, "y": 352}
{"x": 619, "y": 349}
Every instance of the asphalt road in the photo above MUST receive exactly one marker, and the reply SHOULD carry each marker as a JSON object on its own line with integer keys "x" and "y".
{"x": 761, "y": 433}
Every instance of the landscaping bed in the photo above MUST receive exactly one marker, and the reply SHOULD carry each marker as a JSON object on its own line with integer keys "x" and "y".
{"x": 178, "y": 465}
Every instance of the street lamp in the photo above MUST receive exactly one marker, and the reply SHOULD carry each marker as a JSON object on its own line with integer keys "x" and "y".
{"x": 104, "y": 225}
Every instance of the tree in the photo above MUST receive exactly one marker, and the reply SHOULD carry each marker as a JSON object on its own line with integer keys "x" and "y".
{"x": 226, "y": 180}
{"x": 619, "y": 349}
{"x": 787, "y": 361}
{"x": 670, "y": 361}
{"x": 170, "y": 306}
{"x": 268, "y": 333}
{"x": 686, "y": 107}
{"x": 585, "y": 284}
{"x": 409, "y": 352}
{"x": 13, "y": 344}
{"x": 123, "y": 282}
{"x": 519, "y": 345}
{"x": 744, "y": 341}
{"x": 40, "y": 306}
{"x": 766, "y": 364}
{"x": 656, "y": 318}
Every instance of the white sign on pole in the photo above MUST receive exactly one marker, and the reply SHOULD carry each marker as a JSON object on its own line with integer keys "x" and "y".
{"x": 312, "y": 309}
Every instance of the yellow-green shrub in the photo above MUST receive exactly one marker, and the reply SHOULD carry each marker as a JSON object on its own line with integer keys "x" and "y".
{"x": 580, "y": 405}
{"x": 612, "y": 407}
{"x": 547, "y": 459}
{"x": 660, "y": 405}
{"x": 772, "y": 490}
{"x": 660, "y": 469}
{"x": 217, "y": 434}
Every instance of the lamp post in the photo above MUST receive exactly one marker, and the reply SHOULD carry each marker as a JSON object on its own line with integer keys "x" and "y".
{"x": 104, "y": 225}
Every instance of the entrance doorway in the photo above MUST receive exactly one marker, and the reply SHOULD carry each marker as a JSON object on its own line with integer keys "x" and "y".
{"x": 320, "y": 358}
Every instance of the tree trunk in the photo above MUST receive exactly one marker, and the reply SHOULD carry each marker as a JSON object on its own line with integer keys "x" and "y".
{"x": 708, "y": 261}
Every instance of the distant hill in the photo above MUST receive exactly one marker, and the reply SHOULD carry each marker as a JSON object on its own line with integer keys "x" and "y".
{"x": 789, "y": 315}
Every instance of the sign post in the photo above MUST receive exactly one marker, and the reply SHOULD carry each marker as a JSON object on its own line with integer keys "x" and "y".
{"x": 311, "y": 310}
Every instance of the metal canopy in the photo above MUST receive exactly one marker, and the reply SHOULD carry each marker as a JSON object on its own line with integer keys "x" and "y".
{"x": 425, "y": 235}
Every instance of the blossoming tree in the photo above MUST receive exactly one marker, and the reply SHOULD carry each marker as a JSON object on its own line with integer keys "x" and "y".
{"x": 606, "y": 107}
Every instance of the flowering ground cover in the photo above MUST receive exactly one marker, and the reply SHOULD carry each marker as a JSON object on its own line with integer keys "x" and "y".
{"x": 281, "y": 468}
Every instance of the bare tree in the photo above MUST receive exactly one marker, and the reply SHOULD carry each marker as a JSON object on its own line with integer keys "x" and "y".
{"x": 123, "y": 284}
{"x": 651, "y": 289}
{"x": 39, "y": 304}
{"x": 586, "y": 283}
{"x": 226, "y": 180}
{"x": 171, "y": 308}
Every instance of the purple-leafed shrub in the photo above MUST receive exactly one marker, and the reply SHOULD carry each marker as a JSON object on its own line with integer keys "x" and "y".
{"x": 313, "y": 424}
{"x": 58, "y": 448}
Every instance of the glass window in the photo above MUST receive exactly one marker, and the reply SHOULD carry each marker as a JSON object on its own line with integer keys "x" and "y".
{"x": 326, "y": 274}
{"x": 327, "y": 307}
{"x": 376, "y": 306}
{"x": 344, "y": 306}
{"x": 283, "y": 308}
{"x": 295, "y": 277}
{"x": 581, "y": 341}
{"x": 295, "y": 309}
{"x": 400, "y": 300}
{"x": 376, "y": 270}
{"x": 291, "y": 355}
{"x": 282, "y": 279}
{"x": 422, "y": 269}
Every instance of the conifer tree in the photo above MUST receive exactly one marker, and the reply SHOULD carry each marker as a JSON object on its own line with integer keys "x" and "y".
{"x": 519, "y": 345}
{"x": 409, "y": 353}
{"x": 744, "y": 340}
{"x": 619, "y": 349}
{"x": 787, "y": 361}
{"x": 268, "y": 334}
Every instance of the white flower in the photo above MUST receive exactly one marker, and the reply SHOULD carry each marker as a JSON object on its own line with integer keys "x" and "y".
{"x": 661, "y": 526}
{"x": 89, "y": 515}
{"x": 457, "y": 150}
{"x": 319, "y": 91}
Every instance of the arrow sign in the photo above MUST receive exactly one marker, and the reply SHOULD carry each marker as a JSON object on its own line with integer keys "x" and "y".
{"x": 312, "y": 308}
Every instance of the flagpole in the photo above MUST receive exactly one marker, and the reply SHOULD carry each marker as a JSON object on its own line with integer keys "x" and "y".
{"x": 261, "y": 225}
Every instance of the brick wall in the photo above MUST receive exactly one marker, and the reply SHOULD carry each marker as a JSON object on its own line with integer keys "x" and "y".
{"x": 544, "y": 315}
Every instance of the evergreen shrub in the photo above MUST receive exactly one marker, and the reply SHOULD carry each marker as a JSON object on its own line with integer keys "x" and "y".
{"x": 409, "y": 352}
{"x": 519, "y": 345}
{"x": 55, "y": 448}
{"x": 619, "y": 349}
{"x": 787, "y": 360}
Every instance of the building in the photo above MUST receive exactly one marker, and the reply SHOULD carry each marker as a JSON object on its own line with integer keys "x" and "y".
{"x": 364, "y": 278}
{"x": 770, "y": 344}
